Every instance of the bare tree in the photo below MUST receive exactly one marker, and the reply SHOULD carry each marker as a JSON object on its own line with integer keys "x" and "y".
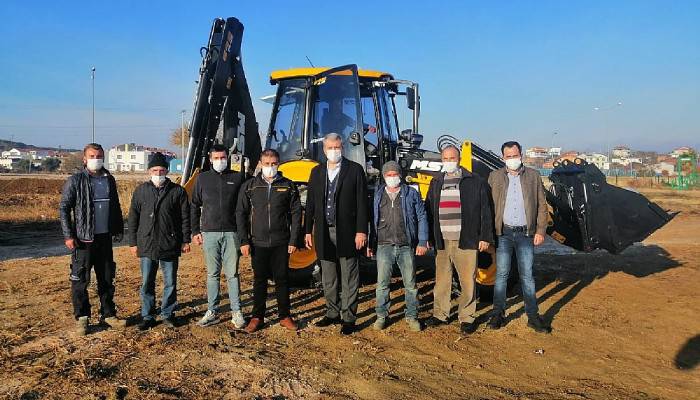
{"x": 176, "y": 136}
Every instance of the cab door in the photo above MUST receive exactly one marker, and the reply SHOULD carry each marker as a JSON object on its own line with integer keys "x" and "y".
{"x": 335, "y": 108}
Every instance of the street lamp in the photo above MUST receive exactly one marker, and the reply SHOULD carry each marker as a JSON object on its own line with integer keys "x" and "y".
{"x": 182, "y": 136}
{"x": 93, "y": 104}
{"x": 608, "y": 108}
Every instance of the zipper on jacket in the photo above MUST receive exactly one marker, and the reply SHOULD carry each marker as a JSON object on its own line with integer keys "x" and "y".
{"x": 269, "y": 217}
{"x": 221, "y": 194}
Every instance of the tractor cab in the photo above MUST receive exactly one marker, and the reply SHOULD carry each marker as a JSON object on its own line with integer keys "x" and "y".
{"x": 357, "y": 104}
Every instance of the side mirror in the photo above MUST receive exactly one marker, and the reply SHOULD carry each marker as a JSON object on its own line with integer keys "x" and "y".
{"x": 354, "y": 138}
{"x": 406, "y": 135}
{"x": 411, "y": 97}
{"x": 416, "y": 140}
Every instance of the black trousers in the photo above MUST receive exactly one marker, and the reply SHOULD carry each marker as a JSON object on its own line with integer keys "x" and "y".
{"x": 87, "y": 255}
{"x": 270, "y": 262}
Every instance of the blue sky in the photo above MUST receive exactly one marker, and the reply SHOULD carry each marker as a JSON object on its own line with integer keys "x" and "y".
{"x": 489, "y": 71}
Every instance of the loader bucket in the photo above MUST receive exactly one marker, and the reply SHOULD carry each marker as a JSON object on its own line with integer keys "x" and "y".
{"x": 588, "y": 213}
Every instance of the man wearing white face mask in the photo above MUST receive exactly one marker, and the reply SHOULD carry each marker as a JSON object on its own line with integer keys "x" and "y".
{"x": 336, "y": 223}
{"x": 269, "y": 224}
{"x": 521, "y": 223}
{"x": 213, "y": 212}
{"x": 159, "y": 232}
{"x": 399, "y": 231}
{"x": 91, "y": 218}
{"x": 461, "y": 225}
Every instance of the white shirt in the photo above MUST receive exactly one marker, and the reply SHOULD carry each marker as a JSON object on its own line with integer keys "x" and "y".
{"x": 332, "y": 173}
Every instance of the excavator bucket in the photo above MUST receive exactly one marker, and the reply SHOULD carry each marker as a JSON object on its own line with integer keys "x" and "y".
{"x": 588, "y": 213}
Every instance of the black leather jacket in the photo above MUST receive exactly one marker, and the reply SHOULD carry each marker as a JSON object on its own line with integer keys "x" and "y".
{"x": 77, "y": 211}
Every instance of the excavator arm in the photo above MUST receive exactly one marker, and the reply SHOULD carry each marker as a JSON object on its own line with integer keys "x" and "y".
{"x": 222, "y": 93}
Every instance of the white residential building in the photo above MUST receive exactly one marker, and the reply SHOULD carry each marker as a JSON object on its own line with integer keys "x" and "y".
{"x": 664, "y": 168}
{"x": 681, "y": 151}
{"x": 130, "y": 157}
{"x": 39, "y": 154}
{"x": 537, "y": 152}
{"x": 6, "y": 163}
{"x": 597, "y": 159}
{"x": 13, "y": 154}
{"x": 554, "y": 152}
{"x": 621, "y": 152}
{"x": 626, "y": 161}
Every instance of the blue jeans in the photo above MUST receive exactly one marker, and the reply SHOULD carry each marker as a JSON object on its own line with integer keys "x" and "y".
{"x": 387, "y": 256}
{"x": 221, "y": 251}
{"x": 524, "y": 248}
{"x": 149, "y": 268}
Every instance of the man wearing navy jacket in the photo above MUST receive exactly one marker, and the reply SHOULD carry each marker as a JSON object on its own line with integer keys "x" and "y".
{"x": 336, "y": 225}
{"x": 399, "y": 232}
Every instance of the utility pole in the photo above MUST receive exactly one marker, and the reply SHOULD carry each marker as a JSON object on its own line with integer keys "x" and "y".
{"x": 93, "y": 104}
{"x": 182, "y": 137}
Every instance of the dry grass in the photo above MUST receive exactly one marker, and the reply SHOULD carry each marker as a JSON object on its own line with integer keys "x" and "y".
{"x": 36, "y": 200}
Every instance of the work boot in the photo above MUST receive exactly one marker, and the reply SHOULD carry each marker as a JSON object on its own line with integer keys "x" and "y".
{"x": 434, "y": 322}
{"x": 115, "y": 322}
{"x": 496, "y": 321}
{"x": 237, "y": 319}
{"x": 379, "y": 324}
{"x": 467, "y": 328}
{"x": 146, "y": 324}
{"x": 413, "y": 324}
{"x": 348, "y": 328}
{"x": 209, "y": 318}
{"x": 289, "y": 323}
{"x": 538, "y": 325}
{"x": 81, "y": 326}
{"x": 169, "y": 322}
{"x": 326, "y": 321}
{"x": 254, "y": 325}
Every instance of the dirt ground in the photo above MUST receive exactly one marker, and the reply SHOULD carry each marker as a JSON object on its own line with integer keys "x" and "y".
{"x": 625, "y": 327}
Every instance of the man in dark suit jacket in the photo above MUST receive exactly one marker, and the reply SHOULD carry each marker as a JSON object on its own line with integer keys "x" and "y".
{"x": 337, "y": 216}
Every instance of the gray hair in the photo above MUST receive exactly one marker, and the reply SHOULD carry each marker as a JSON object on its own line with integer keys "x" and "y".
{"x": 332, "y": 137}
{"x": 450, "y": 147}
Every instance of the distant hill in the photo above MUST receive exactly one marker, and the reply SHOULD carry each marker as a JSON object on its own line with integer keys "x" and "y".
{"x": 8, "y": 144}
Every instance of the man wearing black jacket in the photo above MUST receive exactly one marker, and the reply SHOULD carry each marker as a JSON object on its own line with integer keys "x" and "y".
{"x": 214, "y": 224}
{"x": 336, "y": 223}
{"x": 460, "y": 224}
{"x": 159, "y": 232}
{"x": 269, "y": 224}
{"x": 90, "y": 218}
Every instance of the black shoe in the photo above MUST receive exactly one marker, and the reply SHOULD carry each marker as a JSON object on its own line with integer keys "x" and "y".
{"x": 327, "y": 321}
{"x": 146, "y": 324}
{"x": 468, "y": 328}
{"x": 496, "y": 321}
{"x": 169, "y": 323}
{"x": 538, "y": 325}
{"x": 433, "y": 322}
{"x": 348, "y": 328}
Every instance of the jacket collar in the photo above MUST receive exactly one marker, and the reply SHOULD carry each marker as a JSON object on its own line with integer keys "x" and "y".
{"x": 85, "y": 171}
{"x": 465, "y": 174}
{"x": 382, "y": 188}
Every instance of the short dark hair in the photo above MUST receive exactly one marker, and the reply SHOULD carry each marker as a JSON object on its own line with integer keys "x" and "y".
{"x": 94, "y": 146}
{"x": 270, "y": 153}
{"x": 217, "y": 148}
{"x": 511, "y": 144}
